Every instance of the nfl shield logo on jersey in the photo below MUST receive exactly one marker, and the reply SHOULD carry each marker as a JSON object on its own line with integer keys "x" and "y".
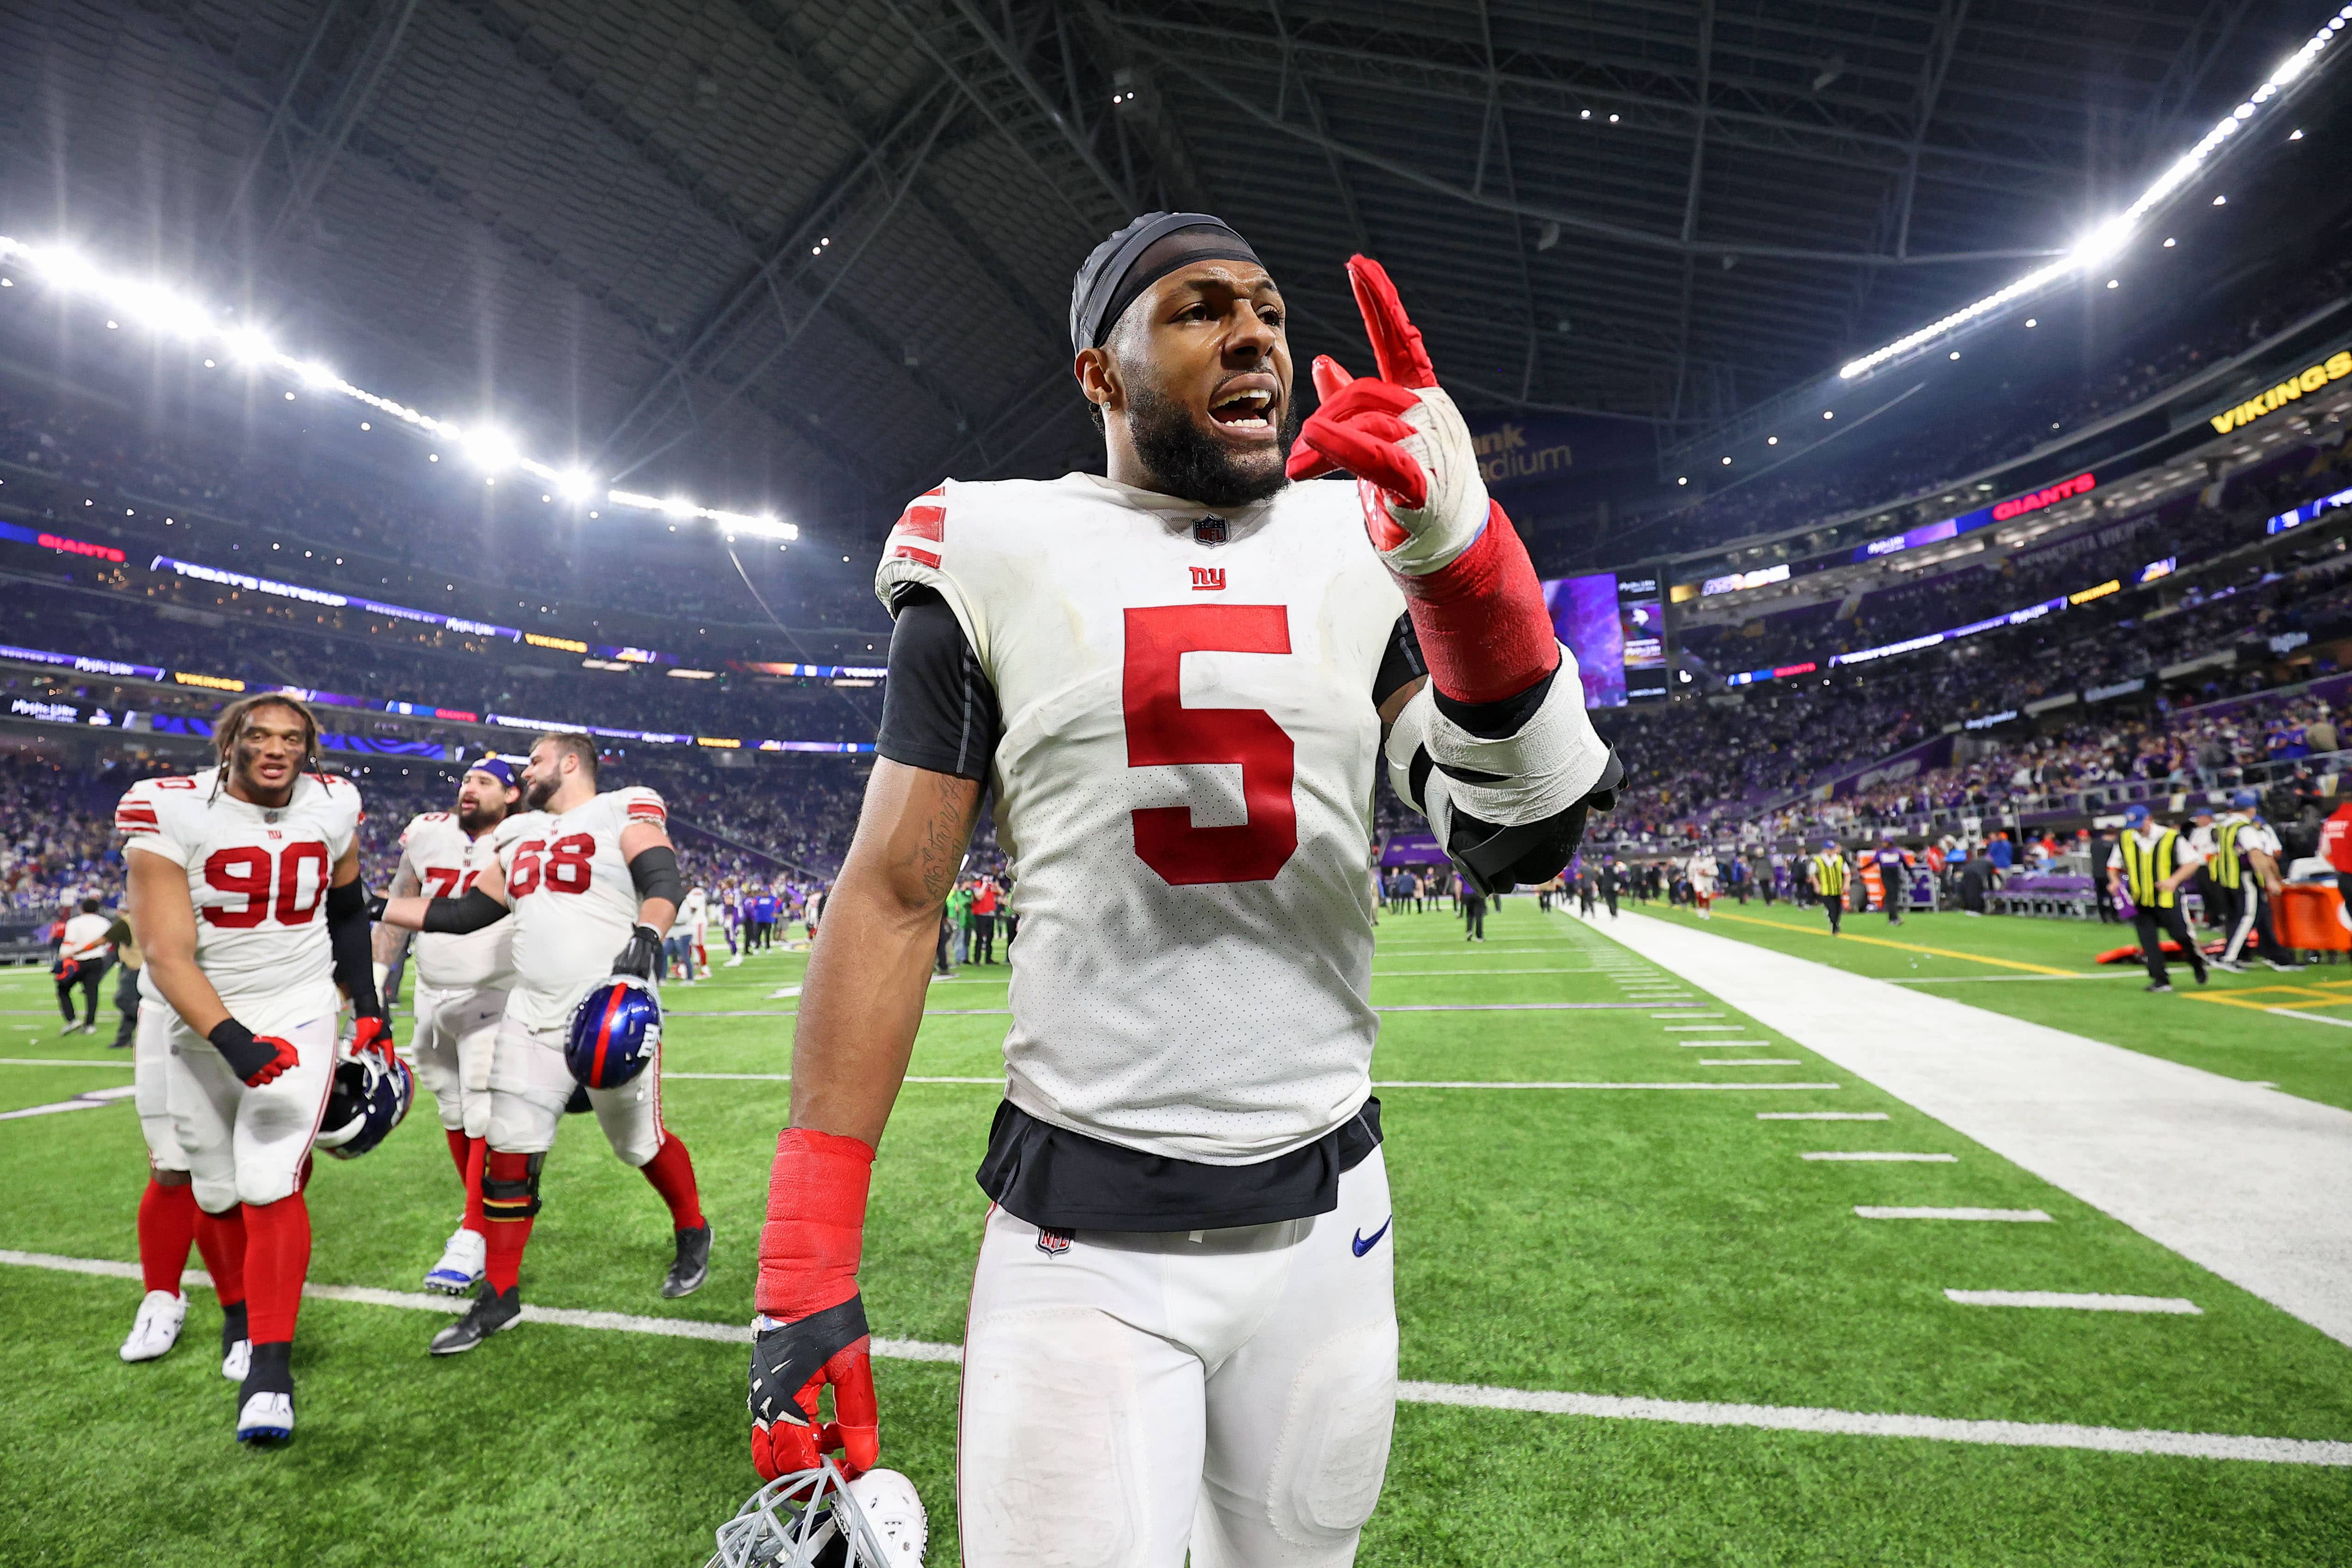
{"x": 1054, "y": 1243}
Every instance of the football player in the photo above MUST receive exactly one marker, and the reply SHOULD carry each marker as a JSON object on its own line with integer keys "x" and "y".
{"x": 246, "y": 895}
{"x": 461, "y": 994}
{"x": 1175, "y": 681}
{"x": 1701, "y": 870}
{"x": 592, "y": 884}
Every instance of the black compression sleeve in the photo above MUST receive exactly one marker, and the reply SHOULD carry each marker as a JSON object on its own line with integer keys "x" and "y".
{"x": 938, "y": 708}
{"x": 463, "y": 915}
{"x": 655, "y": 875}
{"x": 347, "y": 935}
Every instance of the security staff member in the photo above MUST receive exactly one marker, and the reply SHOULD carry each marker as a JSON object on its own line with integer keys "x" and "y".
{"x": 1830, "y": 880}
{"x": 2151, "y": 862}
{"x": 2245, "y": 861}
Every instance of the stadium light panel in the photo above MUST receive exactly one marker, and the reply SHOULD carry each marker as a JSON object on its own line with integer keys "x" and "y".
{"x": 2109, "y": 239}
{"x": 164, "y": 310}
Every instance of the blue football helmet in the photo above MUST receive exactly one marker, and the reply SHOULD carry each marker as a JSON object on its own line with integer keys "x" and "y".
{"x": 811, "y": 1519}
{"x": 614, "y": 1031}
{"x": 371, "y": 1095}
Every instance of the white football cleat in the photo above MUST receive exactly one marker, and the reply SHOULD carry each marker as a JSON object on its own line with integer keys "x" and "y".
{"x": 265, "y": 1419}
{"x": 156, "y": 1328}
{"x": 461, "y": 1265}
{"x": 237, "y": 1361}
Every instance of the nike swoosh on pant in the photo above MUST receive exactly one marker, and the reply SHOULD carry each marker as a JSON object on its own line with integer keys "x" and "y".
{"x": 1363, "y": 1244}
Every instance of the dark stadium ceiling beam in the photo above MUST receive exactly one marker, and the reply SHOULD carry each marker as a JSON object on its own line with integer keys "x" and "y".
{"x": 1767, "y": 115}
{"x": 722, "y": 329}
{"x": 324, "y": 100}
{"x": 1499, "y": 123}
{"x": 1690, "y": 203}
{"x": 838, "y": 268}
{"x": 1950, "y": 17}
{"x": 1568, "y": 220}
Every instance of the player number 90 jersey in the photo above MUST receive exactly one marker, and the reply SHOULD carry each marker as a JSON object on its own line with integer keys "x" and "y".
{"x": 258, "y": 877}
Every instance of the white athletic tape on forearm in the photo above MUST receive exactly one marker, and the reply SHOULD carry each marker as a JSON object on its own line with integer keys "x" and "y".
{"x": 1548, "y": 764}
{"x": 1454, "y": 510}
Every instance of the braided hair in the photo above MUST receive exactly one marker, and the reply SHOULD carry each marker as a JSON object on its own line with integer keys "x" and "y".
{"x": 230, "y": 727}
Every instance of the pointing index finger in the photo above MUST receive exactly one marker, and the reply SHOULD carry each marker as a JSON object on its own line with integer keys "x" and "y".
{"x": 1396, "y": 342}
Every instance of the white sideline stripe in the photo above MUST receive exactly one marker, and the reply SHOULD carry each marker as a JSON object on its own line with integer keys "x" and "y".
{"x": 1878, "y": 1154}
{"x": 1748, "y": 1061}
{"x": 2023, "y": 1217}
{"x": 1821, "y": 1116}
{"x": 1475, "y": 1397}
{"x": 2080, "y": 1302}
{"x": 55, "y": 1062}
{"x": 89, "y": 1101}
{"x": 2248, "y": 1182}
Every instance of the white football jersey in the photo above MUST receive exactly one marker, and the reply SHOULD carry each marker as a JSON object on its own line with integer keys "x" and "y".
{"x": 1702, "y": 872}
{"x": 691, "y": 914}
{"x": 574, "y": 904}
{"x": 446, "y": 862}
{"x": 1184, "y": 793}
{"x": 85, "y": 938}
{"x": 258, "y": 877}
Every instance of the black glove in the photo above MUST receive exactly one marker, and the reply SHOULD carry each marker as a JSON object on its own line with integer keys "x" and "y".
{"x": 255, "y": 1058}
{"x": 643, "y": 957}
{"x": 375, "y": 904}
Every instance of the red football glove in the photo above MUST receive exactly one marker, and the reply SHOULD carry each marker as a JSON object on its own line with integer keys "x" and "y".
{"x": 375, "y": 1034}
{"x": 256, "y": 1059}
{"x": 812, "y": 1330}
{"x": 1477, "y": 608}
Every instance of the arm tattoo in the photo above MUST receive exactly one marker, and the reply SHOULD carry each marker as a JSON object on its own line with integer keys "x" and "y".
{"x": 941, "y": 851}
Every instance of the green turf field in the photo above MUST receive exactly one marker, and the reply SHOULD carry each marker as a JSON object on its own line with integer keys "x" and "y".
{"x": 1645, "y": 1242}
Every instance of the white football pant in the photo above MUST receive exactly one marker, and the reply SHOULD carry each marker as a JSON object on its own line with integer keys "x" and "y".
{"x": 529, "y": 1086}
{"x": 244, "y": 1146}
{"x": 150, "y": 1050}
{"x": 1134, "y": 1395}
{"x": 450, "y": 1049}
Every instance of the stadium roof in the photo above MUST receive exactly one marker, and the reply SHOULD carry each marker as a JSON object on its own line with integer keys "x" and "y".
{"x": 819, "y": 254}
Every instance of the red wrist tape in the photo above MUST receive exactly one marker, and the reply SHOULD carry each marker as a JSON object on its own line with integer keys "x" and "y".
{"x": 816, "y": 1223}
{"x": 1484, "y": 630}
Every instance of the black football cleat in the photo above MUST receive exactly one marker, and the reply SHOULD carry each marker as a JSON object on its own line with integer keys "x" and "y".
{"x": 491, "y": 1312}
{"x": 692, "y": 1267}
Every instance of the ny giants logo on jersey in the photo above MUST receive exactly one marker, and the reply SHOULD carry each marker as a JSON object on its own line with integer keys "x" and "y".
{"x": 1208, "y": 579}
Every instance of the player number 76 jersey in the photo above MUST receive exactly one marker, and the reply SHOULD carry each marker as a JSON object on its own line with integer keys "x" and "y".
{"x": 446, "y": 862}
{"x": 258, "y": 877}
{"x": 574, "y": 903}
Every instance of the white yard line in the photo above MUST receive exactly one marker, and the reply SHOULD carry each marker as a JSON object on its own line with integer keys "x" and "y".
{"x": 1878, "y": 1154}
{"x": 1715, "y": 1045}
{"x": 2251, "y": 1184}
{"x": 2310, "y": 1017}
{"x": 1475, "y": 1397}
{"x": 62, "y": 1062}
{"x": 2018, "y": 1216}
{"x": 1821, "y": 1116}
{"x": 89, "y": 1101}
{"x": 1749, "y": 1061}
{"x": 2081, "y": 1303}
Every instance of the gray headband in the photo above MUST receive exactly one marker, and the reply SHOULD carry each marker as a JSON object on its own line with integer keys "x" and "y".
{"x": 1117, "y": 271}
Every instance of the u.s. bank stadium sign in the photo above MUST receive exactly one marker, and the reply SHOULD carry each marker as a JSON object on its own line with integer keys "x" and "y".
{"x": 1505, "y": 455}
{"x": 2304, "y": 383}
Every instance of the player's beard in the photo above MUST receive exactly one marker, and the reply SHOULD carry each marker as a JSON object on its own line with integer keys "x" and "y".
{"x": 1186, "y": 460}
{"x": 537, "y": 792}
{"x": 478, "y": 819}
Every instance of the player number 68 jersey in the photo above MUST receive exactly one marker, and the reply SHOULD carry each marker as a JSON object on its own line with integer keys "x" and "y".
{"x": 258, "y": 877}
{"x": 574, "y": 903}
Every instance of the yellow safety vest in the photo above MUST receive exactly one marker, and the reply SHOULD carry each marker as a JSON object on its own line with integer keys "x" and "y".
{"x": 2145, "y": 869}
{"x": 2225, "y": 852}
{"x": 1828, "y": 874}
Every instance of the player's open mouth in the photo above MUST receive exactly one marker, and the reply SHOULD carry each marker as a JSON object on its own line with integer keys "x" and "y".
{"x": 1244, "y": 410}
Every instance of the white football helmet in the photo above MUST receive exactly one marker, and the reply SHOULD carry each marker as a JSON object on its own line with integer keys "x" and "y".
{"x": 811, "y": 1519}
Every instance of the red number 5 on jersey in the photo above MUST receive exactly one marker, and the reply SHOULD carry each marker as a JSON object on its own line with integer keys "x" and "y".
{"x": 1162, "y": 731}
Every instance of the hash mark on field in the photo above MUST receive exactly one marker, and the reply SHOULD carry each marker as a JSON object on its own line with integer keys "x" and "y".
{"x": 1704, "y": 1028}
{"x": 1685, "y": 1013}
{"x": 1821, "y": 1116}
{"x": 2023, "y": 1217}
{"x": 2085, "y": 1302}
{"x": 1717, "y": 1044}
{"x": 1748, "y": 1061}
{"x": 1878, "y": 1154}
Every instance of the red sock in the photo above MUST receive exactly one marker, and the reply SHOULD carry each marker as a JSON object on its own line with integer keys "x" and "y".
{"x": 221, "y": 1239}
{"x": 167, "y": 1223}
{"x": 508, "y": 1229}
{"x": 278, "y": 1257}
{"x": 459, "y": 1143}
{"x": 671, "y": 1171}
{"x": 477, "y": 1156}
